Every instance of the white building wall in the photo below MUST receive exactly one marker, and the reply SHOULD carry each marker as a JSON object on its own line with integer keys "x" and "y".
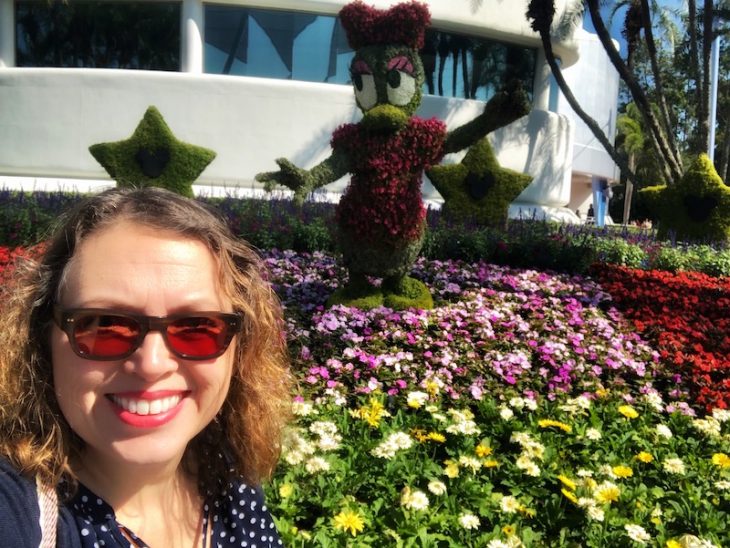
{"x": 49, "y": 117}
{"x": 59, "y": 113}
{"x": 595, "y": 84}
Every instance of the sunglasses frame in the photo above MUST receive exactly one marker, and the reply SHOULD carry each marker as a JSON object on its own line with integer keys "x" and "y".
{"x": 65, "y": 319}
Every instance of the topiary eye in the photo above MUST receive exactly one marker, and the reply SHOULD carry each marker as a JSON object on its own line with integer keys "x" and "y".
{"x": 357, "y": 81}
{"x": 401, "y": 87}
{"x": 365, "y": 92}
{"x": 393, "y": 78}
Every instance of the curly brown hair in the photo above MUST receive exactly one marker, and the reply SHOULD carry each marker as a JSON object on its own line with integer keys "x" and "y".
{"x": 244, "y": 439}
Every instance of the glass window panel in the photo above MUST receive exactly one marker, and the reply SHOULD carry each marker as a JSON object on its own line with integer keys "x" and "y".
{"x": 299, "y": 46}
{"x": 94, "y": 34}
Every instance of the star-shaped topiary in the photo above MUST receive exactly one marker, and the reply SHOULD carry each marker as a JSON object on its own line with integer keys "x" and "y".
{"x": 478, "y": 188}
{"x": 153, "y": 156}
{"x": 698, "y": 207}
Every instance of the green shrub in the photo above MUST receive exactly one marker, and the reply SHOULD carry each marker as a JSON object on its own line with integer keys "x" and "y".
{"x": 672, "y": 259}
{"x": 697, "y": 208}
{"x": 697, "y": 258}
{"x": 619, "y": 251}
{"x": 27, "y": 218}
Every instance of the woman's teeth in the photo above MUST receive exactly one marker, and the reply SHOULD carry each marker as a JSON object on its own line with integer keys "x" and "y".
{"x": 146, "y": 407}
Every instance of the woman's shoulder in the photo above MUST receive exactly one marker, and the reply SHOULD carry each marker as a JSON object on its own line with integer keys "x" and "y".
{"x": 241, "y": 514}
{"x": 19, "y": 512}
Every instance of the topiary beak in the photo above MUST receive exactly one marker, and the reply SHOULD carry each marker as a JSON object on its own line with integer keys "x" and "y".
{"x": 385, "y": 118}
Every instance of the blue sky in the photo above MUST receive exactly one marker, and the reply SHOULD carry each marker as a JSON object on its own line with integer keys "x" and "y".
{"x": 617, "y": 23}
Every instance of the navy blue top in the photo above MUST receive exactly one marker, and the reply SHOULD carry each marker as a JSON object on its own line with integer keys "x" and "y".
{"x": 239, "y": 518}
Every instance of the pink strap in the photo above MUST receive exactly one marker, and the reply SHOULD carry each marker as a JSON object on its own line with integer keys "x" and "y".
{"x": 48, "y": 503}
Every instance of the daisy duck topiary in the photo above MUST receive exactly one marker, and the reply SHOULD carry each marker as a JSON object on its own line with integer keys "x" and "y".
{"x": 381, "y": 217}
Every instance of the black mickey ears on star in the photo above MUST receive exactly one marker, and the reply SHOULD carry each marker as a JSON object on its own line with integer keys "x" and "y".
{"x": 153, "y": 156}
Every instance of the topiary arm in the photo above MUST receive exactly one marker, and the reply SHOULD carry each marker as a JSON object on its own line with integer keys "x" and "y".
{"x": 303, "y": 181}
{"x": 504, "y": 108}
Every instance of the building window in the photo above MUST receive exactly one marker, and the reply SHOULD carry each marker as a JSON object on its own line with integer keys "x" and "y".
{"x": 473, "y": 68}
{"x": 276, "y": 44}
{"x": 310, "y": 47}
{"x": 96, "y": 34}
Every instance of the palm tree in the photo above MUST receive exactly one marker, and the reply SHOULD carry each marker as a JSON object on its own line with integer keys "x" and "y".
{"x": 541, "y": 14}
{"x": 633, "y": 141}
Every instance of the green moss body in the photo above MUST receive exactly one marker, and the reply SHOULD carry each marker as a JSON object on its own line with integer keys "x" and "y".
{"x": 153, "y": 156}
{"x": 696, "y": 208}
{"x": 478, "y": 189}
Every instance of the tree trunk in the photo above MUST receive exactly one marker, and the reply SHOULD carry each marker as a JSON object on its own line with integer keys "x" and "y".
{"x": 671, "y": 165}
{"x": 651, "y": 49}
{"x": 694, "y": 58}
{"x": 725, "y": 160}
{"x": 704, "y": 110}
{"x": 629, "y": 191}
{"x": 590, "y": 122}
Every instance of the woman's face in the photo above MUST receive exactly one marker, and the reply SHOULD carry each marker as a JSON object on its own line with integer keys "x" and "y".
{"x": 144, "y": 409}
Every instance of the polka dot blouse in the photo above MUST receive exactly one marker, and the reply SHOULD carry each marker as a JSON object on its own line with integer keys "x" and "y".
{"x": 239, "y": 518}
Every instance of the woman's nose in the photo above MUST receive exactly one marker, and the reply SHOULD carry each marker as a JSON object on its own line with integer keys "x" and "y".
{"x": 152, "y": 359}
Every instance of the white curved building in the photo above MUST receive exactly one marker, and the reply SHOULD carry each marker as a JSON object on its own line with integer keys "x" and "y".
{"x": 257, "y": 80}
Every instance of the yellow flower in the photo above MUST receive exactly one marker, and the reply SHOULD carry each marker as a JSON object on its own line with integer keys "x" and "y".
{"x": 509, "y": 530}
{"x": 644, "y": 457}
{"x": 490, "y": 463}
{"x": 569, "y": 495}
{"x": 435, "y": 436}
{"x": 602, "y": 392}
{"x": 622, "y": 471}
{"x": 673, "y": 544}
{"x": 628, "y": 411}
{"x": 372, "y": 413}
{"x": 419, "y": 434}
{"x": 721, "y": 460}
{"x": 606, "y": 493}
{"x": 348, "y": 520}
{"x": 528, "y": 512}
{"x": 547, "y": 423}
{"x": 483, "y": 450}
{"x": 569, "y": 483}
{"x": 432, "y": 387}
{"x": 286, "y": 490}
{"x": 451, "y": 469}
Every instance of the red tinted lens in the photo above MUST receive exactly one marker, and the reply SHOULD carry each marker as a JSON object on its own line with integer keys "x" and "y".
{"x": 105, "y": 335}
{"x": 198, "y": 336}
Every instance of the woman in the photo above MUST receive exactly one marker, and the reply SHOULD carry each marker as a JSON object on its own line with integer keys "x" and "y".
{"x": 143, "y": 379}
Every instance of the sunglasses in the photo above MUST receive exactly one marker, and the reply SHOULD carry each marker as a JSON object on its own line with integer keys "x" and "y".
{"x": 106, "y": 335}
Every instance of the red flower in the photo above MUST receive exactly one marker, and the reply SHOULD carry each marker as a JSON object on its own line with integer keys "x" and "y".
{"x": 687, "y": 317}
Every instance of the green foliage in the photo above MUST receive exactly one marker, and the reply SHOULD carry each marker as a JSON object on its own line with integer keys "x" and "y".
{"x": 619, "y": 251}
{"x": 672, "y": 259}
{"x": 28, "y": 216}
{"x": 698, "y": 207}
{"x": 478, "y": 189}
{"x": 649, "y": 200}
{"x": 279, "y": 224}
{"x": 152, "y": 156}
{"x": 410, "y": 293}
{"x": 398, "y": 294}
{"x": 621, "y": 469}
{"x": 698, "y": 258}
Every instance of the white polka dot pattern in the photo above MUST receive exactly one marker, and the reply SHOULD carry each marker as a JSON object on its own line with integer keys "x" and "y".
{"x": 238, "y": 518}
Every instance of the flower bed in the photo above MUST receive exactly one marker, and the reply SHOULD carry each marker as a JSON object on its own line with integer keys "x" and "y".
{"x": 523, "y": 410}
{"x": 686, "y": 316}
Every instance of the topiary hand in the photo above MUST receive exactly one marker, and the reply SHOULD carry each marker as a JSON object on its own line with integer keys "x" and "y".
{"x": 507, "y": 105}
{"x": 295, "y": 178}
